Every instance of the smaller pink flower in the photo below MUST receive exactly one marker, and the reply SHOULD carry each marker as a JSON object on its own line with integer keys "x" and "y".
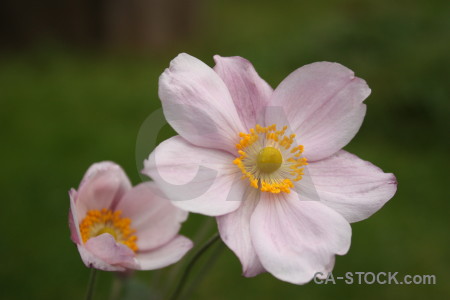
{"x": 118, "y": 227}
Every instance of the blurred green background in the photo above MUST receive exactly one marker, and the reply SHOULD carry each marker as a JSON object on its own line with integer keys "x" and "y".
{"x": 71, "y": 97}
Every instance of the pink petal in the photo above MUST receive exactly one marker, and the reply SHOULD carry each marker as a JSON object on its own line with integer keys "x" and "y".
{"x": 75, "y": 235}
{"x": 198, "y": 105}
{"x": 154, "y": 217}
{"x": 250, "y": 93}
{"x": 98, "y": 168}
{"x": 165, "y": 255}
{"x": 91, "y": 261}
{"x": 196, "y": 179}
{"x": 73, "y": 229}
{"x": 353, "y": 187}
{"x": 295, "y": 239}
{"x": 322, "y": 104}
{"x": 102, "y": 187}
{"x": 105, "y": 249}
{"x": 234, "y": 230}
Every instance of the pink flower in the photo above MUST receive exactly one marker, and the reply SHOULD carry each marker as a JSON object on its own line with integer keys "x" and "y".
{"x": 276, "y": 153}
{"x": 117, "y": 227}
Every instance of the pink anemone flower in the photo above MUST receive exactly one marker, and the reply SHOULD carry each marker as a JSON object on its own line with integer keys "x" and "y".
{"x": 117, "y": 227}
{"x": 269, "y": 163}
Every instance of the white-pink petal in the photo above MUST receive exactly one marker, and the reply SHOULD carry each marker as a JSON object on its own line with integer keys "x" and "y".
{"x": 353, "y": 187}
{"x": 91, "y": 261}
{"x": 196, "y": 179}
{"x": 234, "y": 229}
{"x": 165, "y": 255}
{"x": 102, "y": 187}
{"x": 322, "y": 104}
{"x": 198, "y": 105}
{"x": 250, "y": 93}
{"x": 75, "y": 235}
{"x": 296, "y": 239}
{"x": 105, "y": 248}
{"x": 154, "y": 217}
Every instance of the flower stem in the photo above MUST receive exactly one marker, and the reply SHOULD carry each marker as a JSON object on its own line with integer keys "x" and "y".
{"x": 91, "y": 284}
{"x": 206, "y": 228}
{"x": 191, "y": 264}
{"x": 196, "y": 281}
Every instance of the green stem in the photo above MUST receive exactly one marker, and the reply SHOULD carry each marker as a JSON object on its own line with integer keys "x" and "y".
{"x": 191, "y": 264}
{"x": 91, "y": 284}
{"x": 203, "y": 271}
{"x": 207, "y": 227}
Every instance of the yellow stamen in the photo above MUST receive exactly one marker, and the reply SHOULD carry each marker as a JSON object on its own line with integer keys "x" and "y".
{"x": 267, "y": 159}
{"x": 102, "y": 221}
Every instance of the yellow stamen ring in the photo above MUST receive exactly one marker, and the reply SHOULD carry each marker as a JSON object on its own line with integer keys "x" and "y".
{"x": 102, "y": 221}
{"x": 267, "y": 159}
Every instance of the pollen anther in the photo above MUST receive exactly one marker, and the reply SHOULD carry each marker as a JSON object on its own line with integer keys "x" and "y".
{"x": 102, "y": 221}
{"x": 268, "y": 160}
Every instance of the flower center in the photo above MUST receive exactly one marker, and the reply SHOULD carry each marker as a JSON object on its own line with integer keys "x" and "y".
{"x": 268, "y": 160}
{"x": 102, "y": 221}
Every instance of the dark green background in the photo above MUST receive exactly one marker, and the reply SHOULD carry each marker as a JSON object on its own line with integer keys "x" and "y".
{"x": 64, "y": 108}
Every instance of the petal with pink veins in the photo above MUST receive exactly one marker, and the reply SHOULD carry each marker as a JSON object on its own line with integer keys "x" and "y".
{"x": 106, "y": 249}
{"x": 75, "y": 235}
{"x": 250, "y": 93}
{"x": 234, "y": 230}
{"x": 296, "y": 239}
{"x": 198, "y": 105}
{"x": 322, "y": 105}
{"x": 196, "y": 179}
{"x": 91, "y": 261}
{"x": 353, "y": 187}
{"x": 101, "y": 188}
{"x": 165, "y": 255}
{"x": 155, "y": 219}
